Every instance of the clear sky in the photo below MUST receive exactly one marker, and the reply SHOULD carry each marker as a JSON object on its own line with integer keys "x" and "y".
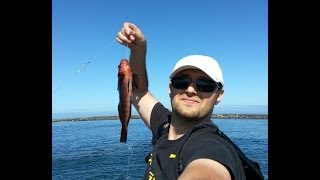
{"x": 85, "y": 55}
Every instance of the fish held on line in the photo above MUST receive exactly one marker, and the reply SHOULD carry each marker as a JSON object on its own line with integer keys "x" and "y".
{"x": 127, "y": 82}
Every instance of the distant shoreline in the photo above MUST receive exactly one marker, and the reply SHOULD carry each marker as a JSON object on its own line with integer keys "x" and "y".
{"x": 216, "y": 116}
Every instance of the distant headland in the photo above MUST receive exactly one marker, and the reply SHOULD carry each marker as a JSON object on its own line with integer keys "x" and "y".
{"x": 216, "y": 116}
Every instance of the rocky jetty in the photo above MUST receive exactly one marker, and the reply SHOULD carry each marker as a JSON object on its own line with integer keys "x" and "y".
{"x": 214, "y": 116}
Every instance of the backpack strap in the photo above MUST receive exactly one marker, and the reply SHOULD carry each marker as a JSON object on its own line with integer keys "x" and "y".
{"x": 194, "y": 134}
{"x": 251, "y": 168}
{"x": 151, "y": 158}
{"x": 159, "y": 132}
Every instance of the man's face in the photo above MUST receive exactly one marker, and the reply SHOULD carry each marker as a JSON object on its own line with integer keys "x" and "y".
{"x": 191, "y": 101}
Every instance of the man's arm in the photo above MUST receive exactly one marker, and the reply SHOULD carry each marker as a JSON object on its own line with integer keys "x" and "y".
{"x": 130, "y": 35}
{"x": 205, "y": 169}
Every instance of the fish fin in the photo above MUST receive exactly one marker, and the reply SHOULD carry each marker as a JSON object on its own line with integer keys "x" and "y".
{"x": 119, "y": 110}
{"x": 135, "y": 79}
{"x": 118, "y": 87}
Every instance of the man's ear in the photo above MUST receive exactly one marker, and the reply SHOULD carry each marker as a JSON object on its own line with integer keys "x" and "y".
{"x": 220, "y": 96}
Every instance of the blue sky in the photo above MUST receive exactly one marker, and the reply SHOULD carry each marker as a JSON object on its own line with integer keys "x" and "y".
{"x": 234, "y": 32}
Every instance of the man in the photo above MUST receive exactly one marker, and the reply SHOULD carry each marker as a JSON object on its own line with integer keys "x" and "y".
{"x": 196, "y": 85}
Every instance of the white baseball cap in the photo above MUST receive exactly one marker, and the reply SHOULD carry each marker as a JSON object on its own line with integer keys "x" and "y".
{"x": 205, "y": 63}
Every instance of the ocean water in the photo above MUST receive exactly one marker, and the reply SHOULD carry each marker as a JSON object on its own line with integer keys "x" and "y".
{"x": 91, "y": 149}
{"x": 221, "y": 109}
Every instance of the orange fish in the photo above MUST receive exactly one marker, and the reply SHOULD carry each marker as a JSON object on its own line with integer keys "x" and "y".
{"x": 127, "y": 81}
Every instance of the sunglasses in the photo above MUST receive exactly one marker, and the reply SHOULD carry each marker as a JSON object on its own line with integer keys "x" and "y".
{"x": 202, "y": 84}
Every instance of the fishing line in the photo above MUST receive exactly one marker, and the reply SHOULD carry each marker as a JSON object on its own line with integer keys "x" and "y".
{"x": 129, "y": 154}
{"x": 128, "y": 52}
{"x": 84, "y": 65}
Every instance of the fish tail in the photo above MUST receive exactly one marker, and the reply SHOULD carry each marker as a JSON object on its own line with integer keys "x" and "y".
{"x": 124, "y": 134}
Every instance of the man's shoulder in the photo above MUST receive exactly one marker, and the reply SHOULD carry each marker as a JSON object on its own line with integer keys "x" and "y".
{"x": 206, "y": 140}
{"x": 205, "y": 136}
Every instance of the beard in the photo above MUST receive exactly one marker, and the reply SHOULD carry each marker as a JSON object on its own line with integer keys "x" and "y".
{"x": 190, "y": 113}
